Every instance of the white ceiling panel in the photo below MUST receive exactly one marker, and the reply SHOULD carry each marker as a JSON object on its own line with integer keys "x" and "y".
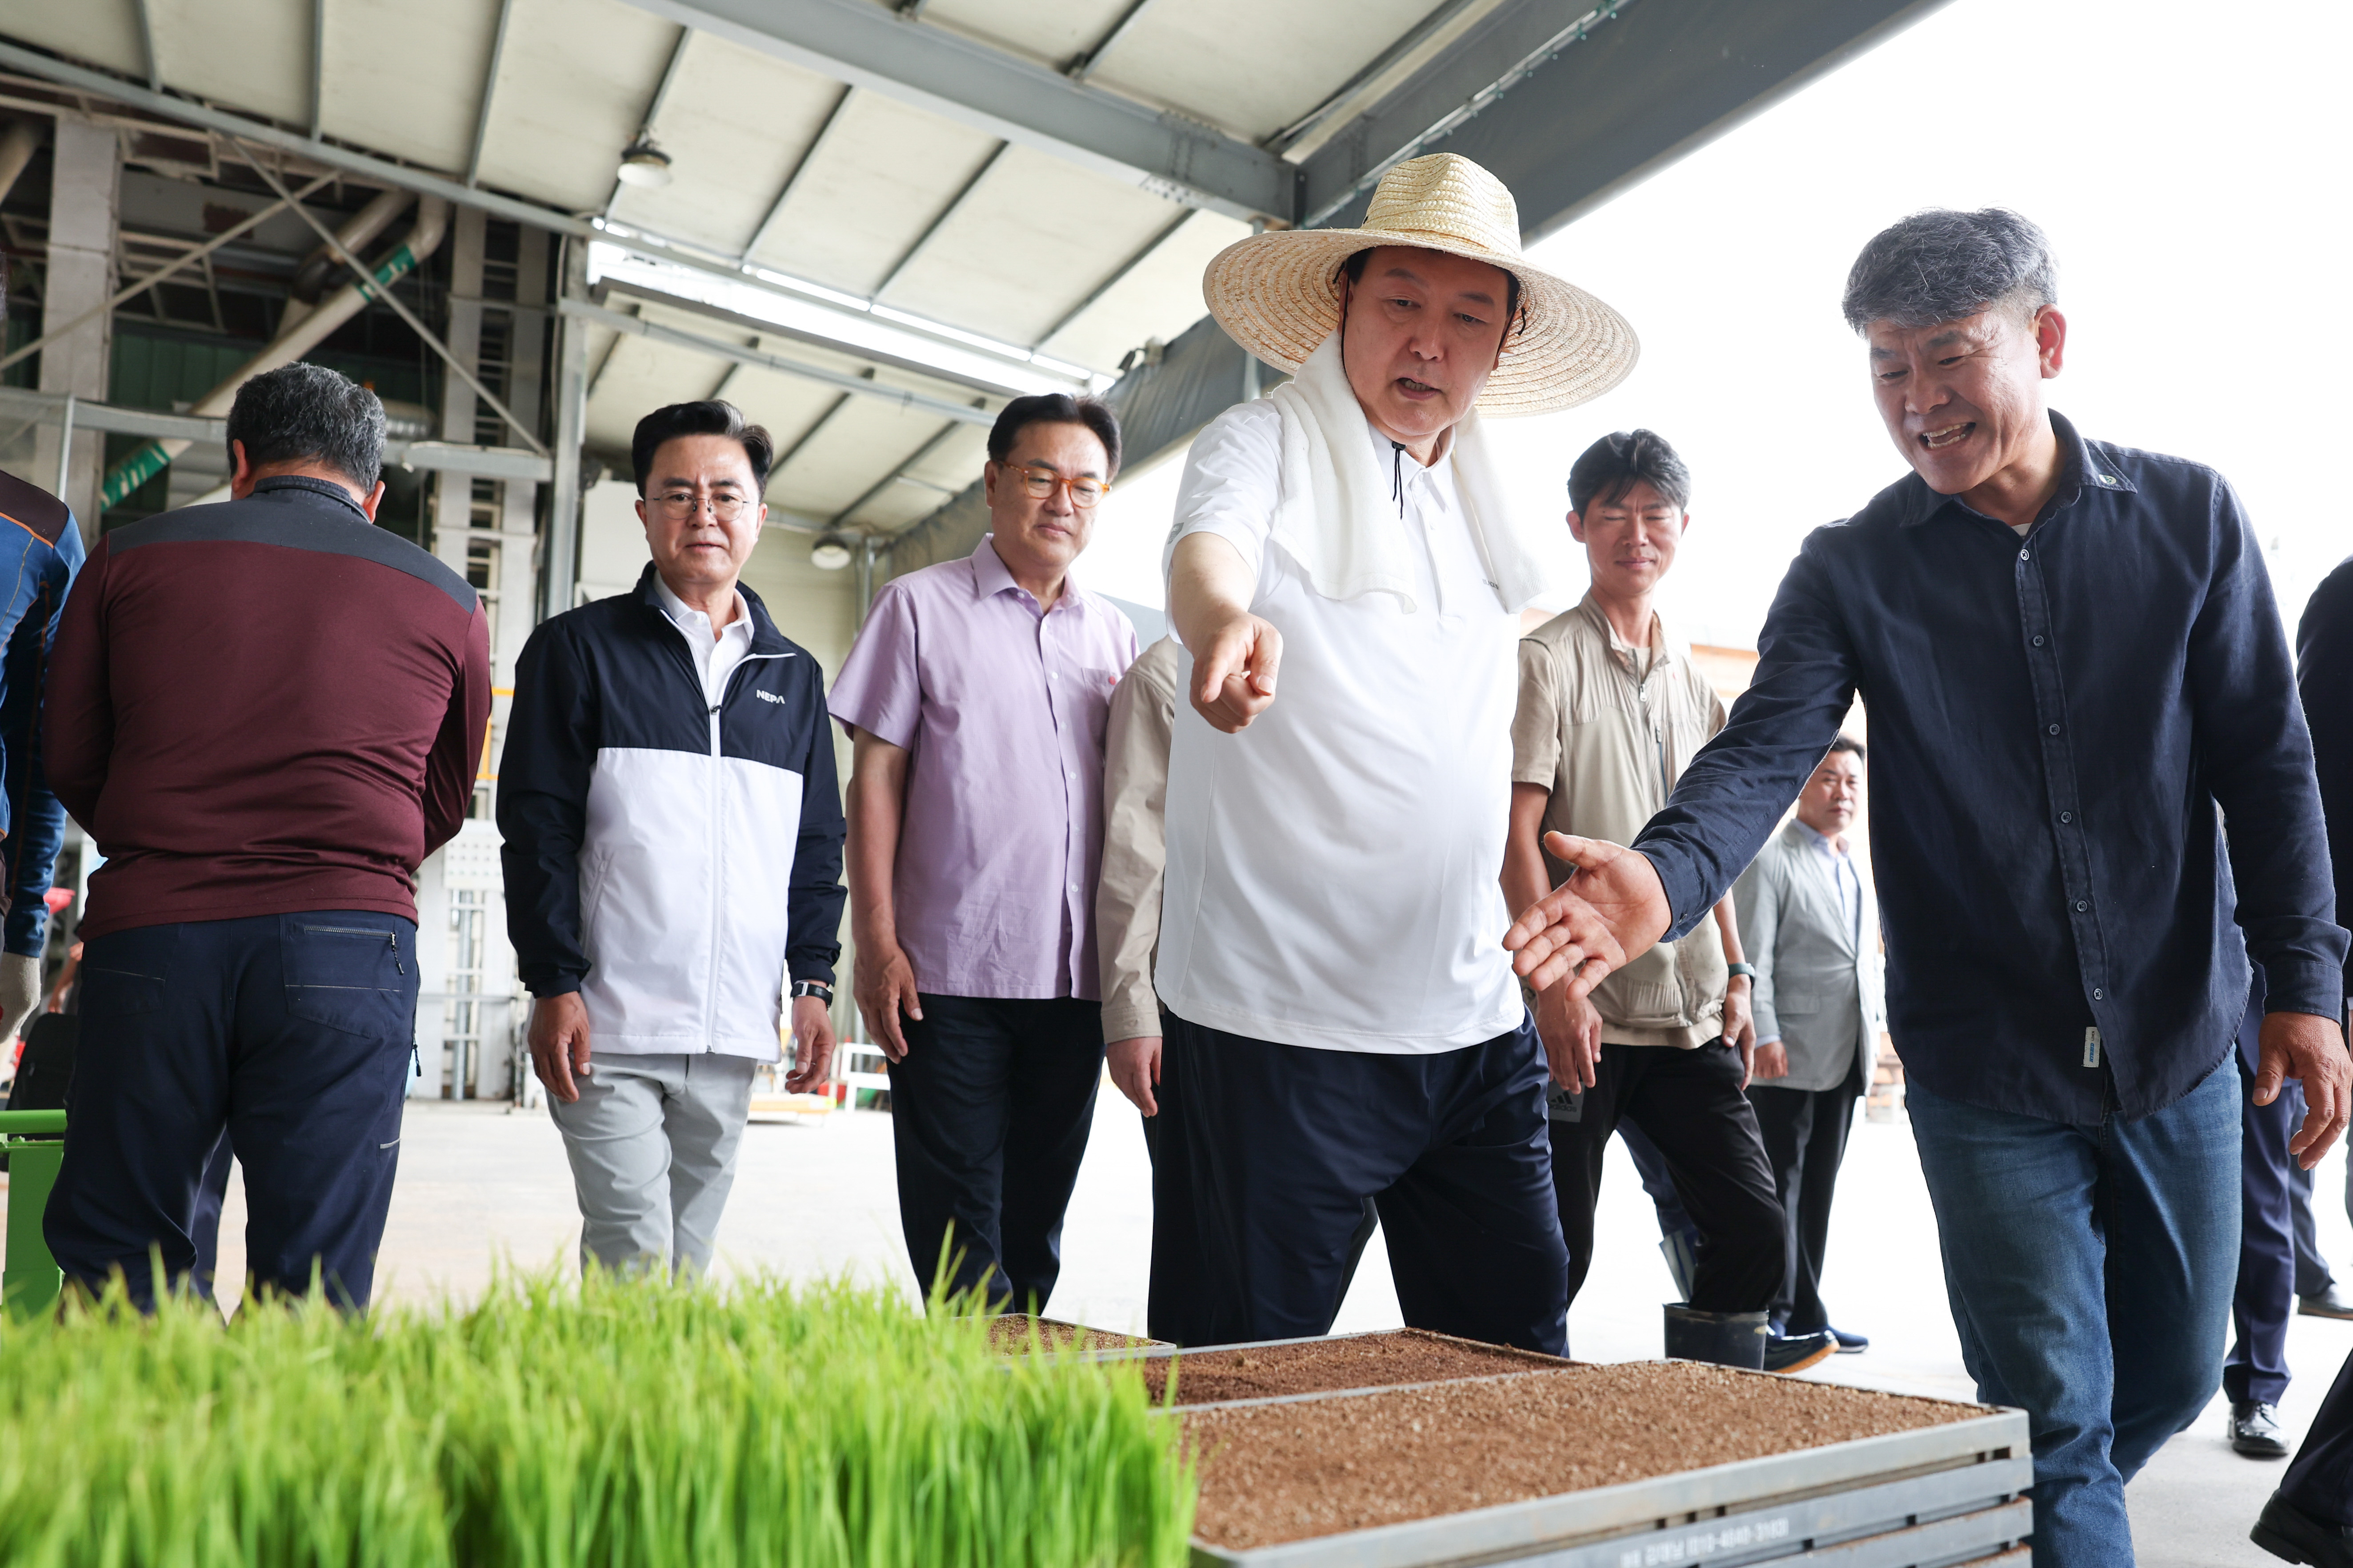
{"x": 735, "y": 124}
{"x": 1250, "y": 65}
{"x": 260, "y": 62}
{"x": 880, "y": 178}
{"x": 404, "y": 77}
{"x": 1027, "y": 244}
{"x": 863, "y": 441}
{"x": 1159, "y": 299}
{"x": 1056, "y": 31}
{"x": 101, "y": 32}
{"x": 574, "y": 82}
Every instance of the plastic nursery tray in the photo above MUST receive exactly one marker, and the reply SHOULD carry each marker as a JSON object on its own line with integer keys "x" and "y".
{"x": 1932, "y": 1497}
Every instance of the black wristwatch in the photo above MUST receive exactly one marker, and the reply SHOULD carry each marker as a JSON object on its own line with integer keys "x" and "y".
{"x": 816, "y": 988}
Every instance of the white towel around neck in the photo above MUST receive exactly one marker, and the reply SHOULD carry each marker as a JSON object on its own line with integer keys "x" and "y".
{"x": 1335, "y": 511}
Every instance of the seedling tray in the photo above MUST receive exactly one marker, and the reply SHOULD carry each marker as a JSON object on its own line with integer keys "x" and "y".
{"x": 1383, "y": 1358}
{"x": 1947, "y": 1489}
{"x": 1019, "y": 1333}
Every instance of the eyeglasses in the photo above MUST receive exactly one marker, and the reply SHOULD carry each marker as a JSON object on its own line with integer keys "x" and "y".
{"x": 1086, "y": 494}
{"x": 726, "y": 505}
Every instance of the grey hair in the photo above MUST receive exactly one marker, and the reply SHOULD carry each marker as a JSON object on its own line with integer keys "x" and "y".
{"x": 307, "y": 413}
{"x": 1944, "y": 266}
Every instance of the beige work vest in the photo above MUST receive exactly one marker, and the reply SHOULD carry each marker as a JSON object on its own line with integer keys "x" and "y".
{"x": 1610, "y": 745}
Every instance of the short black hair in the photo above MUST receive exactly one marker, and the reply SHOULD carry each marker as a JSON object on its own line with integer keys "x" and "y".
{"x": 1622, "y": 460}
{"x": 1056, "y": 408}
{"x": 306, "y": 413}
{"x": 710, "y": 417}
{"x": 1843, "y": 743}
{"x": 1355, "y": 268}
{"x": 1942, "y": 266}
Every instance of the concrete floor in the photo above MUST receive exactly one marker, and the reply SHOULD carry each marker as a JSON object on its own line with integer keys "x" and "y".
{"x": 478, "y": 1185}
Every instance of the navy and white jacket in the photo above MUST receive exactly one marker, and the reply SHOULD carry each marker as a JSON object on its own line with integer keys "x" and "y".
{"x": 668, "y": 861}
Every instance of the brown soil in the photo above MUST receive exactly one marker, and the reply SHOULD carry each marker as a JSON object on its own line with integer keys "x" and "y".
{"x": 1317, "y": 1366}
{"x": 1014, "y": 1333}
{"x": 1288, "y": 1472}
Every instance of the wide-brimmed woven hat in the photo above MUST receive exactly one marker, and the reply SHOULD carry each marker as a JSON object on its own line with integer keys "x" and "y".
{"x": 1278, "y": 293}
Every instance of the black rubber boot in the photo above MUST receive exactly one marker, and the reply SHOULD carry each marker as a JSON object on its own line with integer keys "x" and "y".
{"x": 1721, "y": 1339}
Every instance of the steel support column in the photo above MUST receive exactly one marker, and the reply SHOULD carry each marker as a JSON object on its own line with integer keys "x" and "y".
{"x": 85, "y": 184}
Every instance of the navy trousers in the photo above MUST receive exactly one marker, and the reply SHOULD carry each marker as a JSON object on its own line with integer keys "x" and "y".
{"x": 293, "y": 1034}
{"x": 989, "y": 1117}
{"x": 2256, "y": 1367}
{"x": 1283, "y": 1144}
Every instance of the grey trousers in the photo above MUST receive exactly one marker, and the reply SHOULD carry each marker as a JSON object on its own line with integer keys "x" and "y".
{"x": 652, "y": 1143}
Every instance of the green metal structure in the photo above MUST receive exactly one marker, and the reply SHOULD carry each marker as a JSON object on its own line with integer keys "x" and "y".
{"x": 30, "y": 1281}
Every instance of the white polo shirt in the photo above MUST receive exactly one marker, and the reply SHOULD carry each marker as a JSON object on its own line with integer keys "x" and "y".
{"x": 1332, "y": 869}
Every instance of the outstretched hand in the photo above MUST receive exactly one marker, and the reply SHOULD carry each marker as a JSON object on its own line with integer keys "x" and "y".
{"x": 2311, "y": 1051}
{"x": 1233, "y": 674}
{"x": 1612, "y": 909}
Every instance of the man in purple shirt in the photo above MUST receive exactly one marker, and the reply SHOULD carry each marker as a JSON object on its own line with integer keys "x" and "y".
{"x": 975, "y": 699}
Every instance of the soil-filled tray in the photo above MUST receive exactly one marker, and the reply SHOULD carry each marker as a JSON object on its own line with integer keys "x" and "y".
{"x": 1321, "y": 1366}
{"x": 1293, "y": 1469}
{"x": 1016, "y": 1333}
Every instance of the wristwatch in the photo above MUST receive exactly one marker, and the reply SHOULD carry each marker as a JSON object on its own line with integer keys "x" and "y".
{"x": 1740, "y": 971}
{"x": 816, "y": 988}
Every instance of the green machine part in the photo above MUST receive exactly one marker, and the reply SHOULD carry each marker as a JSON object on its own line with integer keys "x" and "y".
{"x": 30, "y": 1280}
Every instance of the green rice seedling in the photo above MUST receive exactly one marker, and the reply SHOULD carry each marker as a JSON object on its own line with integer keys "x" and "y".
{"x": 623, "y": 1423}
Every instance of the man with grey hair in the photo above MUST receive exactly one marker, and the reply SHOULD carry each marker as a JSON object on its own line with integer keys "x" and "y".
{"x": 266, "y": 712}
{"x": 2077, "y": 675}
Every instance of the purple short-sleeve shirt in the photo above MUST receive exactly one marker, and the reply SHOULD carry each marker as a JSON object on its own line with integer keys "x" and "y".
{"x": 1002, "y": 710}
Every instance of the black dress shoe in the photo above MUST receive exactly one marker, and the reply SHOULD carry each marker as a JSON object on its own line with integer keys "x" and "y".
{"x": 2332, "y": 1302}
{"x": 2254, "y": 1430}
{"x": 2286, "y": 1530}
{"x": 1795, "y": 1353}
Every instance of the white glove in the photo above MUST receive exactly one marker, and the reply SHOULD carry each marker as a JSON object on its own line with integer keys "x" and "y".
{"x": 20, "y": 992}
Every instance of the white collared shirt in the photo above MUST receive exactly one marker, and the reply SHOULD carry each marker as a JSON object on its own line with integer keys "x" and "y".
{"x": 1843, "y": 877}
{"x": 715, "y": 657}
{"x": 1332, "y": 876}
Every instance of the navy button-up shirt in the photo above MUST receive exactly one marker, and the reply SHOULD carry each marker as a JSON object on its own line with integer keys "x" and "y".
{"x": 2055, "y": 722}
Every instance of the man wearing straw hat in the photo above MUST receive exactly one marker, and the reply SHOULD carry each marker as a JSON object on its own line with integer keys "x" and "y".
{"x": 1343, "y": 1022}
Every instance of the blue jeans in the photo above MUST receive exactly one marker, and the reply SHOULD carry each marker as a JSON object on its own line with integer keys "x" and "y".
{"x": 2090, "y": 1270}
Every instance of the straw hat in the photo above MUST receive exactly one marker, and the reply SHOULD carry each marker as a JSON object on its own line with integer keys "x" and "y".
{"x": 1278, "y": 293}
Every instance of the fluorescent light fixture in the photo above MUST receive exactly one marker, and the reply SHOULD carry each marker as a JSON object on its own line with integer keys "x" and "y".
{"x": 825, "y": 314}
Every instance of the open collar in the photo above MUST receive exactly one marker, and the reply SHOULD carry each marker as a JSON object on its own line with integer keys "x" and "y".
{"x": 765, "y": 637}
{"x": 2080, "y": 469}
{"x": 990, "y": 577}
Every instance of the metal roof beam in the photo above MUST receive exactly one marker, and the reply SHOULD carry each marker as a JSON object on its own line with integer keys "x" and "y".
{"x": 898, "y": 469}
{"x": 147, "y": 45}
{"x": 930, "y": 229}
{"x": 1084, "y": 65}
{"x": 863, "y": 386}
{"x": 1113, "y": 281}
{"x": 261, "y": 133}
{"x": 654, "y": 105}
{"x": 1005, "y": 96}
{"x": 1569, "y": 112}
{"x": 489, "y": 93}
{"x": 318, "y": 66}
{"x": 784, "y": 192}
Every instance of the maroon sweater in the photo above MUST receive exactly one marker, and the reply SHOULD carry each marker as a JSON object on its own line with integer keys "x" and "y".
{"x": 262, "y": 707}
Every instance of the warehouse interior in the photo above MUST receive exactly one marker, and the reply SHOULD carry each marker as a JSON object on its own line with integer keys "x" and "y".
{"x": 525, "y": 223}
